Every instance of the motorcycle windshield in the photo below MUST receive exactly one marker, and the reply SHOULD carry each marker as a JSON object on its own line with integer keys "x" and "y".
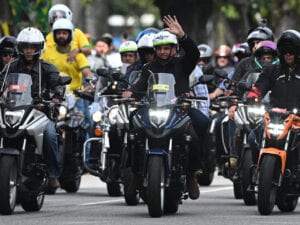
{"x": 17, "y": 90}
{"x": 161, "y": 90}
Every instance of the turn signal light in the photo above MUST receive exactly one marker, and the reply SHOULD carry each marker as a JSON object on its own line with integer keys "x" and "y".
{"x": 98, "y": 132}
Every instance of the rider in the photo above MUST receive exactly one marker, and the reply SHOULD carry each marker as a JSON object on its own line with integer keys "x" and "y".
{"x": 30, "y": 45}
{"x": 240, "y": 51}
{"x": 80, "y": 43}
{"x": 8, "y": 50}
{"x": 282, "y": 80}
{"x": 165, "y": 45}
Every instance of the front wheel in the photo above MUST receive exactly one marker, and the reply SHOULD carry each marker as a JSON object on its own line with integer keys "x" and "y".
{"x": 206, "y": 179}
{"x": 269, "y": 173}
{"x": 114, "y": 189}
{"x": 156, "y": 186}
{"x": 131, "y": 194}
{"x": 286, "y": 203}
{"x": 32, "y": 202}
{"x": 8, "y": 184}
{"x": 249, "y": 197}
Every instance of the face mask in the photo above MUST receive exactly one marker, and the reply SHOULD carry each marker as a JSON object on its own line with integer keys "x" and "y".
{"x": 124, "y": 68}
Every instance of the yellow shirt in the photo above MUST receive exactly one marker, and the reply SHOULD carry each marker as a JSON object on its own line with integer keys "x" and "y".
{"x": 79, "y": 40}
{"x": 73, "y": 69}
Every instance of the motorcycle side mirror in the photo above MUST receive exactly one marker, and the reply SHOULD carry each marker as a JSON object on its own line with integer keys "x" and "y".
{"x": 64, "y": 80}
{"x": 245, "y": 86}
{"x": 221, "y": 73}
{"x": 118, "y": 76}
{"x": 204, "y": 79}
{"x": 103, "y": 71}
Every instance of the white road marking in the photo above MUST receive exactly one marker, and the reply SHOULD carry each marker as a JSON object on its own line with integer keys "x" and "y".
{"x": 122, "y": 199}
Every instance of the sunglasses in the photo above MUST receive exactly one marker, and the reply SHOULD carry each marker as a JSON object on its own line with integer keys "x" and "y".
{"x": 6, "y": 54}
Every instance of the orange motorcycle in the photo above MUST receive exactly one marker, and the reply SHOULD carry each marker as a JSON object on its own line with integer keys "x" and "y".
{"x": 277, "y": 178}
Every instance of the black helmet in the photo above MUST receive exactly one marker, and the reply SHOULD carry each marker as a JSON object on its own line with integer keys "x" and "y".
{"x": 261, "y": 32}
{"x": 289, "y": 42}
{"x": 8, "y": 45}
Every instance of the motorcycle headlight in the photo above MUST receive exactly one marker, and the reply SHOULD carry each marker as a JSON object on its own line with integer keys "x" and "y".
{"x": 97, "y": 117}
{"x": 13, "y": 118}
{"x": 62, "y": 112}
{"x": 256, "y": 113}
{"x": 275, "y": 129}
{"x": 112, "y": 115}
{"x": 159, "y": 117}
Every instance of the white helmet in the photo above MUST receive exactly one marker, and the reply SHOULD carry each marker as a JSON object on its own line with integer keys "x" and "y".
{"x": 164, "y": 38}
{"x": 30, "y": 36}
{"x": 146, "y": 41}
{"x": 128, "y": 46}
{"x": 59, "y": 11}
{"x": 205, "y": 51}
{"x": 63, "y": 24}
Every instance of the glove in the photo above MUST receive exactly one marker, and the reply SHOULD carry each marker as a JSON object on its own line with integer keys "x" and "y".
{"x": 254, "y": 93}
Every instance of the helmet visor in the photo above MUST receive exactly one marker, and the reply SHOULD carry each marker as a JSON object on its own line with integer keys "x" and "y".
{"x": 54, "y": 15}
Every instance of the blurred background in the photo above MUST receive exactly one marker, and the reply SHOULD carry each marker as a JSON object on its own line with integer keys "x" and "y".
{"x": 208, "y": 21}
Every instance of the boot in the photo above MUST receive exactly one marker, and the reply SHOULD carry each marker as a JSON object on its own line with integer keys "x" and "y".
{"x": 193, "y": 187}
{"x": 233, "y": 163}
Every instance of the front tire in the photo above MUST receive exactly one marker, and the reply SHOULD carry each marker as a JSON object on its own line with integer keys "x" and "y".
{"x": 269, "y": 172}
{"x": 130, "y": 188}
{"x": 113, "y": 189}
{"x": 155, "y": 188}
{"x": 32, "y": 203}
{"x": 8, "y": 184}
{"x": 249, "y": 197}
{"x": 286, "y": 203}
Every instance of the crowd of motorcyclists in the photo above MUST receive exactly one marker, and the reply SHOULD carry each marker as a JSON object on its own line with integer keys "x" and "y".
{"x": 269, "y": 68}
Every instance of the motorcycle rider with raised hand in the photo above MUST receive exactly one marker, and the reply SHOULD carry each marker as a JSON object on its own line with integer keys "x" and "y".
{"x": 165, "y": 45}
{"x": 282, "y": 80}
{"x": 30, "y": 45}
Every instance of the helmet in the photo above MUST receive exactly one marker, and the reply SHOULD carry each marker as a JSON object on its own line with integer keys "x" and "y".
{"x": 164, "y": 38}
{"x": 205, "y": 51}
{"x": 289, "y": 41}
{"x": 241, "y": 50}
{"x": 32, "y": 36}
{"x": 259, "y": 33}
{"x": 128, "y": 46}
{"x": 59, "y": 11}
{"x": 146, "y": 41}
{"x": 63, "y": 24}
{"x": 266, "y": 47}
{"x": 150, "y": 30}
{"x": 8, "y": 45}
{"x": 223, "y": 50}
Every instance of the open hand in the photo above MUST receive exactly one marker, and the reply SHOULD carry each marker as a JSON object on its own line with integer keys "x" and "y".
{"x": 173, "y": 26}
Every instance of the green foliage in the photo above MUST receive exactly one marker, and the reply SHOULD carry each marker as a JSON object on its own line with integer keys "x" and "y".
{"x": 132, "y": 7}
{"x": 230, "y": 11}
{"x": 35, "y": 12}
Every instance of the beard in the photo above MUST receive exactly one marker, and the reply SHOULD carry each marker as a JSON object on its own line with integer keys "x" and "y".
{"x": 62, "y": 42}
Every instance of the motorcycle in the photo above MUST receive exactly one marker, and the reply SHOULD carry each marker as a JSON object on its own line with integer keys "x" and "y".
{"x": 277, "y": 177}
{"x": 247, "y": 116}
{"x": 106, "y": 146}
{"x": 72, "y": 130}
{"x": 160, "y": 144}
{"x": 23, "y": 171}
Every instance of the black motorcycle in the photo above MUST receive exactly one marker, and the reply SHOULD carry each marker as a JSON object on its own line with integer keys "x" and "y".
{"x": 159, "y": 146}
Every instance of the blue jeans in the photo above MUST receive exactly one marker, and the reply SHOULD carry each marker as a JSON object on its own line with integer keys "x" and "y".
{"x": 51, "y": 147}
{"x": 83, "y": 106}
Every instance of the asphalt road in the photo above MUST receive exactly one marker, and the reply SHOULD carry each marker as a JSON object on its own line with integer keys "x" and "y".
{"x": 92, "y": 205}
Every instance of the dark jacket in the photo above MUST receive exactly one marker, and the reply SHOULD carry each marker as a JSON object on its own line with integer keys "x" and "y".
{"x": 283, "y": 84}
{"x": 181, "y": 67}
{"x": 49, "y": 74}
{"x": 243, "y": 67}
